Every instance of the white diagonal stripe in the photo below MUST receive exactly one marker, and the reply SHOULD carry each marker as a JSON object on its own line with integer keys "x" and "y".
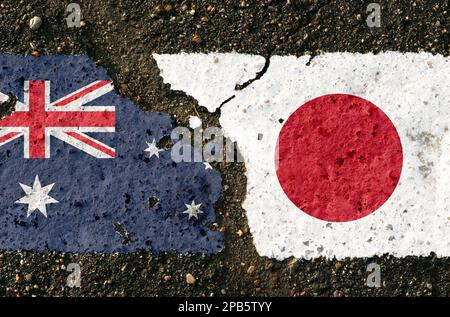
{"x": 63, "y": 136}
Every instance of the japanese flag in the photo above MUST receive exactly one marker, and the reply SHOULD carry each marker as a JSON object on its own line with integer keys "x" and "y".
{"x": 347, "y": 155}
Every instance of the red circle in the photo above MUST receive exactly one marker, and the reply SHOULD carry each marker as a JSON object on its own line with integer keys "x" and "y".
{"x": 339, "y": 157}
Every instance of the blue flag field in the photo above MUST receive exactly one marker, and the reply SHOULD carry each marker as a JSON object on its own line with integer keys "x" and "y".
{"x": 81, "y": 170}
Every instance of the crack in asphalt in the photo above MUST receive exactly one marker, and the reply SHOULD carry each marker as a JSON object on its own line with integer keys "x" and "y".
{"x": 312, "y": 14}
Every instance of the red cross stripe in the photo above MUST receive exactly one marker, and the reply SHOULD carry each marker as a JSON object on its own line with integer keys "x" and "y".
{"x": 37, "y": 119}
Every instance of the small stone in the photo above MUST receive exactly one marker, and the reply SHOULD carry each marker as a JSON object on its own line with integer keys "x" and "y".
{"x": 168, "y": 8}
{"x": 223, "y": 292}
{"x": 429, "y": 285}
{"x": 35, "y": 23}
{"x": 359, "y": 17}
{"x": 196, "y": 39}
{"x": 28, "y": 277}
{"x": 167, "y": 278}
{"x": 239, "y": 233}
{"x": 205, "y": 19}
{"x": 82, "y": 23}
{"x": 293, "y": 265}
{"x": 258, "y": 290}
{"x": 257, "y": 282}
{"x": 290, "y": 2}
{"x": 337, "y": 293}
{"x": 251, "y": 269}
{"x": 338, "y": 265}
{"x": 190, "y": 279}
{"x": 17, "y": 278}
{"x": 157, "y": 9}
{"x": 195, "y": 122}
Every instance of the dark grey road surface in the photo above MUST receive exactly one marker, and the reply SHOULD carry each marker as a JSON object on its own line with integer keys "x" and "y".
{"x": 121, "y": 36}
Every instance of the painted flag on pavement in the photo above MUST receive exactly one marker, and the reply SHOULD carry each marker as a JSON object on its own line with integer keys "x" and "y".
{"x": 81, "y": 170}
{"x": 347, "y": 155}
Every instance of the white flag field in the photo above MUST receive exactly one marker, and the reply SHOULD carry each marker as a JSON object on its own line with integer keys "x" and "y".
{"x": 346, "y": 155}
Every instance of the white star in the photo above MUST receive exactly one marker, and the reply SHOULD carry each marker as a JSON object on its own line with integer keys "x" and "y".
{"x": 207, "y": 166}
{"x": 36, "y": 197}
{"x": 153, "y": 149}
{"x": 193, "y": 210}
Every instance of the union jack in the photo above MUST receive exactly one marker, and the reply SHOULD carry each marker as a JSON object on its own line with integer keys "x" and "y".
{"x": 36, "y": 119}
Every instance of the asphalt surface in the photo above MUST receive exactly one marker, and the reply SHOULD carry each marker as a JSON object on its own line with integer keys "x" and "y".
{"x": 121, "y": 36}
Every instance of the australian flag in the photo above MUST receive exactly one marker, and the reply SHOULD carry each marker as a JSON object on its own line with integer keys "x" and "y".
{"x": 81, "y": 169}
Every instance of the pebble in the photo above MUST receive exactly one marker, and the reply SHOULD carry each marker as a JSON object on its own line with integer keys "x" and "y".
{"x": 337, "y": 293}
{"x": 168, "y": 277}
{"x": 190, "y": 279}
{"x": 195, "y": 122}
{"x": 251, "y": 269}
{"x": 35, "y": 23}
{"x": 239, "y": 233}
{"x": 196, "y": 39}
{"x": 168, "y": 8}
{"x": 28, "y": 277}
{"x": 35, "y": 53}
{"x": 293, "y": 265}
